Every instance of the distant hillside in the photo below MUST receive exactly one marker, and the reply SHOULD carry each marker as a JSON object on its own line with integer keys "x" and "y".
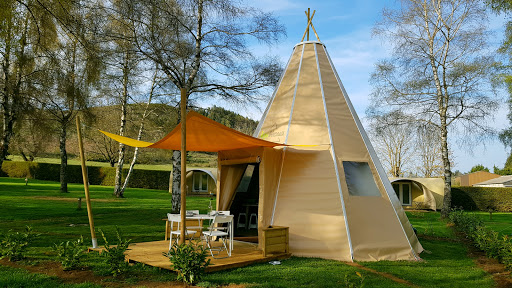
{"x": 229, "y": 119}
{"x": 160, "y": 121}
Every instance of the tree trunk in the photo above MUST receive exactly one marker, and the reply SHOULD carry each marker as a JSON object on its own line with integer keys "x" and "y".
{"x": 24, "y": 156}
{"x": 63, "y": 158}
{"x": 176, "y": 181}
{"x": 7, "y": 123}
{"x": 447, "y": 171}
{"x": 119, "y": 171}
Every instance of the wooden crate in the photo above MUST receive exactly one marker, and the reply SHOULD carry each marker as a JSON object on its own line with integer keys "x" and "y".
{"x": 275, "y": 240}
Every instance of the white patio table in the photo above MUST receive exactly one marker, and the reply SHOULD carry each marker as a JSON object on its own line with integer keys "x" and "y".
{"x": 202, "y": 217}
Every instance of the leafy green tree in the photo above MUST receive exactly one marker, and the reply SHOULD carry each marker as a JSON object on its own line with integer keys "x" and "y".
{"x": 72, "y": 70}
{"x": 505, "y": 7}
{"x": 440, "y": 70}
{"x": 26, "y": 30}
{"x": 479, "y": 167}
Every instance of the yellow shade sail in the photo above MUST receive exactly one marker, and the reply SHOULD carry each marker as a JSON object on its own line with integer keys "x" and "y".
{"x": 203, "y": 134}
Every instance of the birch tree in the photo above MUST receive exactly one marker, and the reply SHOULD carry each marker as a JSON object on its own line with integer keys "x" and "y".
{"x": 124, "y": 64}
{"x": 439, "y": 71}
{"x": 203, "y": 47}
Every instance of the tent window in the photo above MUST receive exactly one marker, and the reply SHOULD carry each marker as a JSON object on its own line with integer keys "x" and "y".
{"x": 200, "y": 181}
{"x": 360, "y": 179}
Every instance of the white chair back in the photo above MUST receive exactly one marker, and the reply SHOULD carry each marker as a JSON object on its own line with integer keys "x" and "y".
{"x": 220, "y": 219}
{"x": 174, "y": 217}
{"x": 214, "y": 213}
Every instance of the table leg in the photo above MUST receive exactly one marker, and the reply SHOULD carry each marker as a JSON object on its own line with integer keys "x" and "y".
{"x": 167, "y": 224}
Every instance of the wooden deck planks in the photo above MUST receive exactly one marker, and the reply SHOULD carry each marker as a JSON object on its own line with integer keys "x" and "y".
{"x": 243, "y": 254}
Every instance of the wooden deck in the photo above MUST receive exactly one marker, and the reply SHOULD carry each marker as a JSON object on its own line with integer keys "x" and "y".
{"x": 243, "y": 254}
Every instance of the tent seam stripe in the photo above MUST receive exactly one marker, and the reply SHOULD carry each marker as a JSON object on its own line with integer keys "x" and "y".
{"x": 264, "y": 117}
{"x": 335, "y": 162}
{"x": 294, "y": 95}
{"x": 278, "y": 185}
{"x": 287, "y": 133}
{"x": 374, "y": 159}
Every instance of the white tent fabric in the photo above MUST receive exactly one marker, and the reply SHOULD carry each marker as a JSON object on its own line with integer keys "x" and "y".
{"x": 311, "y": 110}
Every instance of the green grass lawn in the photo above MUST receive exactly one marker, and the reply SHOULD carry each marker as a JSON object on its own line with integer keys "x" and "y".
{"x": 55, "y": 216}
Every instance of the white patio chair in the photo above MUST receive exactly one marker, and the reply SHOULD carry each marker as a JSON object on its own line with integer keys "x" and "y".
{"x": 215, "y": 213}
{"x": 221, "y": 235}
{"x": 199, "y": 226}
{"x": 176, "y": 218}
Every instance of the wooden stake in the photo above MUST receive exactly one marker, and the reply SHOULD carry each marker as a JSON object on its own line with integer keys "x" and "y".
{"x": 86, "y": 183}
{"x": 183, "y": 106}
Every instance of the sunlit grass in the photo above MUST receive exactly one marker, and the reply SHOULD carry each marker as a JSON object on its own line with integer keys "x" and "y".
{"x": 139, "y": 216}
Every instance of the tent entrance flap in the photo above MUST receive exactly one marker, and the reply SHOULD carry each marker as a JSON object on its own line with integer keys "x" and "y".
{"x": 244, "y": 205}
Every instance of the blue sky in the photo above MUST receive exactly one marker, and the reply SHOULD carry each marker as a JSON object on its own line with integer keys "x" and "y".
{"x": 345, "y": 28}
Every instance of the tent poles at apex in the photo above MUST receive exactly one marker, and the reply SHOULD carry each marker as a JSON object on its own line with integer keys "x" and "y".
{"x": 86, "y": 183}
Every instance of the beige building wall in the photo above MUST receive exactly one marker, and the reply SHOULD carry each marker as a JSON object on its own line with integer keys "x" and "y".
{"x": 476, "y": 177}
{"x": 425, "y": 192}
{"x": 212, "y": 183}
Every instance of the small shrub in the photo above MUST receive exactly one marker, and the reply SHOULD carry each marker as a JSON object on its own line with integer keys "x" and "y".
{"x": 353, "y": 282}
{"x": 483, "y": 238}
{"x": 189, "y": 261}
{"x": 114, "y": 255}
{"x": 15, "y": 244}
{"x": 467, "y": 223}
{"x": 70, "y": 253}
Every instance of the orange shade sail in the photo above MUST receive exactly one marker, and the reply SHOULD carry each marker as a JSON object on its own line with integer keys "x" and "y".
{"x": 203, "y": 134}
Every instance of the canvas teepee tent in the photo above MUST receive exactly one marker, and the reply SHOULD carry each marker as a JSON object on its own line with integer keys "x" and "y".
{"x": 326, "y": 183}
{"x": 329, "y": 187}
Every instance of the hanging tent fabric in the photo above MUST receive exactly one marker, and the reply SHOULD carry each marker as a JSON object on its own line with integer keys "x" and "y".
{"x": 203, "y": 134}
{"x": 331, "y": 191}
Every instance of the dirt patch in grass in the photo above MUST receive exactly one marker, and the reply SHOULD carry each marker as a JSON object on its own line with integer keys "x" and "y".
{"x": 500, "y": 274}
{"x": 383, "y": 274}
{"x": 51, "y": 268}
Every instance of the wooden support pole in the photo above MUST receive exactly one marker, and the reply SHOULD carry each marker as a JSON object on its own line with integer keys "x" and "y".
{"x": 308, "y": 23}
{"x": 86, "y": 183}
{"x": 183, "y": 106}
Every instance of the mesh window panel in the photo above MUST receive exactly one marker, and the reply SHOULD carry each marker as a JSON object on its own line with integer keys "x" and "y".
{"x": 406, "y": 194}
{"x": 360, "y": 180}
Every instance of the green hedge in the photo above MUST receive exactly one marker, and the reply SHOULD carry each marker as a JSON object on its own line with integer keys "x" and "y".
{"x": 148, "y": 179}
{"x": 482, "y": 198}
{"x": 491, "y": 242}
